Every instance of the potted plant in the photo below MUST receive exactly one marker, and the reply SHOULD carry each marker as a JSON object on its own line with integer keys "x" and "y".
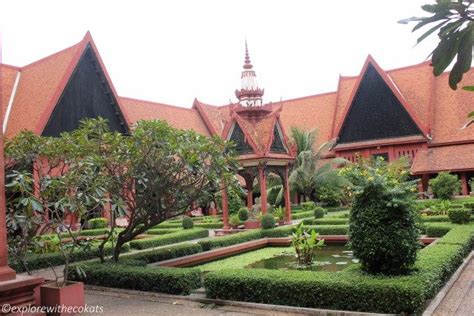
{"x": 279, "y": 213}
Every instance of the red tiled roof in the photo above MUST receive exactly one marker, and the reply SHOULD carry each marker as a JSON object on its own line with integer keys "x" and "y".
{"x": 42, "y": 84}
{"x": 9, "y": 74}
{"x": 445, "y": 158}
{"x": 450, "y": 110}
{"x": 178, "y": 117}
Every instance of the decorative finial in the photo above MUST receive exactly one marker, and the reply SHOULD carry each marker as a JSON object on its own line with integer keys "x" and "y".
{"x": 247, "y": 64}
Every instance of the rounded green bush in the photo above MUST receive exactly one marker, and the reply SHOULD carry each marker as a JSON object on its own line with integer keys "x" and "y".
{"x": 100, "y": 222}
{"x": 187, "y": 222}
{"x": 319, "y": 212}
{"x": 234, "y": 220}
{"x": 445, "y": 185}
{"x": 268, "y": 221}
{"x": 459, "y": 216}
{"x": 308, "y": 206}
{"x": 243, "y": 214}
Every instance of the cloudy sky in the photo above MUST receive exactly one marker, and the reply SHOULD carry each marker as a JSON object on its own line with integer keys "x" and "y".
{"x": 174, "y": 51}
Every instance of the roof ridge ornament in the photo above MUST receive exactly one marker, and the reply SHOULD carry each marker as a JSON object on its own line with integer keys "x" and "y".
{"x": 249, "y": 95}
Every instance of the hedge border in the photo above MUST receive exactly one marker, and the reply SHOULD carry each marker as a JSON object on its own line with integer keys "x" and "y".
{"x": 179, "y": 236}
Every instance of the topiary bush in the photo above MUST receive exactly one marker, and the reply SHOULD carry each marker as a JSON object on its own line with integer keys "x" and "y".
{"x": 459, "y": 216}
{"x": 319, "y": 212}
{"x": 268, "y": 221}
{"x": 383, "y": 229}
{"x": 307, "y": 206}
{"x": 445, "y": 185}
{"x": 187, "y": 223}
{"x": 96, "y": 223}
{"x": 243, "y": 214}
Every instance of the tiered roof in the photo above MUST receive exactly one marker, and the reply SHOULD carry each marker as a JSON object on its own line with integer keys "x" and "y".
{"x": 437, "y": 110}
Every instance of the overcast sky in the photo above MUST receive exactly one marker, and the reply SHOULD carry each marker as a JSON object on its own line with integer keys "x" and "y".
{"x": 174, "y": 51}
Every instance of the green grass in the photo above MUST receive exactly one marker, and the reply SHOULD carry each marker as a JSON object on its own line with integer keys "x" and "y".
{"x": 243, "y": 260}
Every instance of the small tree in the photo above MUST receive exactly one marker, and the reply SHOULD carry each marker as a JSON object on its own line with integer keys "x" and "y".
{"x": 160, "y": 171}
{"x": 383, "y": 231}
{"x": 305, "y": 243}
{"x": 445, "y": 185}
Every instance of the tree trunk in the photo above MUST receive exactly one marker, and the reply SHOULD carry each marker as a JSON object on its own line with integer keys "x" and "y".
{"x": 118, "y": 248}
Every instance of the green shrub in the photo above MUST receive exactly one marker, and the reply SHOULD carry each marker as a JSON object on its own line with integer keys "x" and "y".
{"x": 209, "y": 225}
{"x": 462, "y": 235}
{"x": 268, "y": 221}
{"x": 308, "y": 206}
{"x": 459, "y": 216}
{"x": 435, "y": 218}
{"x": 331, "y": 229}
{"x": 437, "y": 230}
{"x": 326, "y": 221}
{"x": 318, "y": 212}
{"x": 169, "y": 225}
{"x": 303, "y": 214}
{"x": 163, "y": 280}
{"x": 224, "y": 241}
{"x": 469, "y": 205}
{"x": 100, "y": 222}
{"x": 445, "y": 185}
{"x": 41, "y": 261}
{"x": 234, "y": 220}
{"x": 164, "y": 231}
{"x": 243, "y": 214}
{"x": 171, "y": 238}
{"x": 330, "y": 195}
{"x": 187, "y": 223}
{"x": 383, "y": 225}
{"x": 282, "y": 231}
{"x": 165, "y": 253}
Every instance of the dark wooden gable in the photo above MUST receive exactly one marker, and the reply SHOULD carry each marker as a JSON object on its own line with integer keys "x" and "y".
{"x": 376, "y": 113}
{"x": 277, "y": 143}
{"x": 87, "y": 95}
{"x": 238, "y": 137}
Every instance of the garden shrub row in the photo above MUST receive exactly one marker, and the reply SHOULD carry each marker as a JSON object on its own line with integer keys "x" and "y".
{"x": 164, "y": 253}
{"x": 330, "y": 229}
{"x": 326, "y": 221}
{"x": 179, "y": 236}
{"x": 350, "y": 289}
{"x": 438, "y": 229}
{"x": 303, "y": 214}
{"x": 154, "y": 279}
{"x": 41, "y": 261}
{"x": 434, "y": 218}
{"x": 211, "y": 243}
{"x": 162, "y": 231}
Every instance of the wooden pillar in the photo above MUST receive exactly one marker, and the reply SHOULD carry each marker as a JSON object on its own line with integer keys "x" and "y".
{"x": 286, "y": 186}
{"x": 425, "y": 178}
{"x": 464, "y": 184}
{"x": 225, "y": 208}
{"x": 249, "y": 199}
{"x": 263, "y": 188}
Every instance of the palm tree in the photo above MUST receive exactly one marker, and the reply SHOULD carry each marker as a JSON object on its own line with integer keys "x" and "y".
{"x": 308, "y": 171}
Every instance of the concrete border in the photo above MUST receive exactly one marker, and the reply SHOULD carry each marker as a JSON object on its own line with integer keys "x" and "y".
{"x": 436, "y": 301}
{"x": 249, "y": 305}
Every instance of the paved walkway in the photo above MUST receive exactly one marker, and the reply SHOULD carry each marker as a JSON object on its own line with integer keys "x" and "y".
{"x": 139, "y": 303}
{"x": 460, "y": 298}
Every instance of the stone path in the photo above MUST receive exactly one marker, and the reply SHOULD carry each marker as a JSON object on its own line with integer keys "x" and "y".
{"x": 117, "y": 303}
{"x": 460, "y": 298}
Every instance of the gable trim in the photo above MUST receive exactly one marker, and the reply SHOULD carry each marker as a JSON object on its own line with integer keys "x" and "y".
{"x": 47, "y": 112}
{"x": 10, "y": 102}
{"x": 389, "y": 82}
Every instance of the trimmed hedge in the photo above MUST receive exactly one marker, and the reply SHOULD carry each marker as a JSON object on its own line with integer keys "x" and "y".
{"x": 303, "y": 214}
{"x": 187, "y": 223}
{"x": 179, "y": 236}
{"x": 165, "y": 253}
{"x": 162, "y": 231}
{"x": 459, "y": 216}
{"x": 100, "y": 222}
{"x": 41, "y": 261}
{"x": 326, "y": 221}
{"x": 163, "y": 280}
{"x": 360, "y": 291}
{"x": 434, "y": 218}
{"x": 209, "y": 225}
{"x": 330, "y": 229}
{"x": 224, "y": 241}
{"x": 438, "y": 230}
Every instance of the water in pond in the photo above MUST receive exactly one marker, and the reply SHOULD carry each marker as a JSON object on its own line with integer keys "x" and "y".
{"x": 328, "y": 258}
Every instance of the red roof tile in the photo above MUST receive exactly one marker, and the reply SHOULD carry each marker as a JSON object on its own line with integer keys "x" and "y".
{"x": 178, "y": 117}
{"x": 8, "y": 77}
{"x": 445, "y": 158}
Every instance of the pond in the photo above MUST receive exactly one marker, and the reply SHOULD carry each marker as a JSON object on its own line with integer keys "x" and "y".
{"x": 330, "y": 258}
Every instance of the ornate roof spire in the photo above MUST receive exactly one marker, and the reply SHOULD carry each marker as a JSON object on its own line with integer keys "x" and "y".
{"x": 247, "y": 64}
{"x": 249, "y": 94}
